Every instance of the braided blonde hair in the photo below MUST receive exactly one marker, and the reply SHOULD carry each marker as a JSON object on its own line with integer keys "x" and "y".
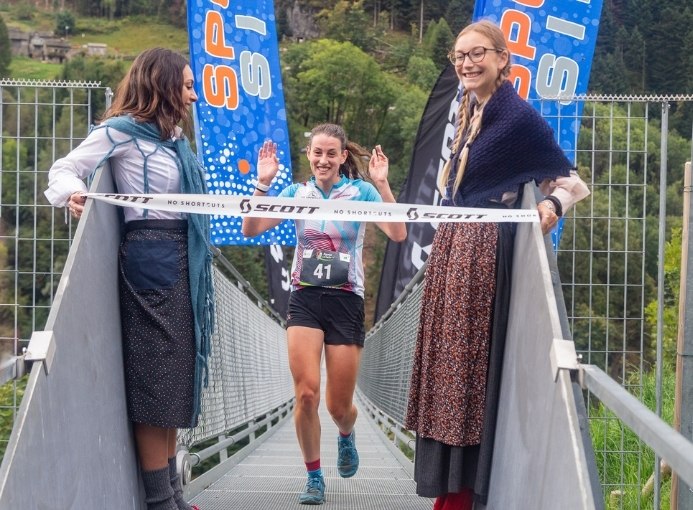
{"x": 471, "y": 124}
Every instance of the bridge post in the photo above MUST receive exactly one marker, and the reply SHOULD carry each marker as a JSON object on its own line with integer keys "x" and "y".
{"x": 681, "y": 497}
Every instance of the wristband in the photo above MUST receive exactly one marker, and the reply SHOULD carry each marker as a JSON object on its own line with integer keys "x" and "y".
{"x": 557, "y": 205}
{"x": 262, "y": 187}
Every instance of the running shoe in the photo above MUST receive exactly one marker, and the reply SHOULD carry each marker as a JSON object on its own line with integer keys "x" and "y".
{"x": 347, "y": 456}
{"x": 314, "y": 493}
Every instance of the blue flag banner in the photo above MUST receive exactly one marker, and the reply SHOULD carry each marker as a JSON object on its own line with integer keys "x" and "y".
{"x": 234, "y": 57}
{"x": 552, "y": 43}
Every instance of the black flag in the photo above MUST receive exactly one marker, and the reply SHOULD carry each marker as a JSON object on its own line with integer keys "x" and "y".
{"x": 431, "y": 151}
{"x": 278, "y": 278}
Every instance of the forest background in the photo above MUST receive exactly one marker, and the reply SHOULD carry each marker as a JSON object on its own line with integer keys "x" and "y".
{"x": 368, "y": 65}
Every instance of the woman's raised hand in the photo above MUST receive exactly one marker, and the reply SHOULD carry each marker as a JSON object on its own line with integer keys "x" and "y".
{"x": 378, "y": 165}
{"x": 267, "y": 162}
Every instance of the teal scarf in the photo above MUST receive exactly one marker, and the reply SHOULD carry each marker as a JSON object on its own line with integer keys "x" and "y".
{"x": 199, "y": 254}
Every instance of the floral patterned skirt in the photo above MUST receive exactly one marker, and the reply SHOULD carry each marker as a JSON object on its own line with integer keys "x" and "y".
{"x": 457, "y": 363}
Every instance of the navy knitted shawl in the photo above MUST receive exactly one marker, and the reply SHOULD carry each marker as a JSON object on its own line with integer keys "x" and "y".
{"x": 515, "y": 145}
{"x": 199, "y": 255}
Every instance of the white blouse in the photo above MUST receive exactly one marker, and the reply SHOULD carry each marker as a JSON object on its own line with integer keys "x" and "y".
{"x": 67, "y": 174}
{"x": 569, "y": 190}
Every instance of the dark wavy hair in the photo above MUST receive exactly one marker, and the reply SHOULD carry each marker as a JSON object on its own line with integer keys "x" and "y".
{"x": 356, "y": 164}
{"x": 151, "y": 91}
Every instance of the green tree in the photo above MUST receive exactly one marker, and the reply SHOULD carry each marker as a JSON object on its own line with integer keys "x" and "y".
{"x": 360, "y": 101}
{"x": 250, "y": 262}
{"x": 608, "y": 75}
{"x": 634, "y": 53}
{"x": 347, "y": 21}
{"x": 399, "y": 135}
{"x": 459, "y": 14}
{"x": 439, "y": 42}
{"x": 106, "y": 72}
{"x": 6, "y": 312}
{"x": 398, "y": 55}
{"x": 429, "y": 32}
{"x": 422, "y": 72}
{"x": 64, "y": 23}
{"x": 618, "y": 146}
{"x": 18, "y": 184}
{"x": 5, "y": 50}
{"x": 666, "y": 42}
{"x": 11, "y": 395}
{"x": 672, "y": 279}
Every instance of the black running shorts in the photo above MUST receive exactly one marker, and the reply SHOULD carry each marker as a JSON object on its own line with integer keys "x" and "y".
{"x": 338, "y": 313}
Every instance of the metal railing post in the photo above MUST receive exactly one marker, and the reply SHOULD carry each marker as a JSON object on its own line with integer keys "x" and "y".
{"x": 660, "y": 281}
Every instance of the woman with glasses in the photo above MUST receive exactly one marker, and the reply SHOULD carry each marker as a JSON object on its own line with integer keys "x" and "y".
{"x": 501, "y": 142}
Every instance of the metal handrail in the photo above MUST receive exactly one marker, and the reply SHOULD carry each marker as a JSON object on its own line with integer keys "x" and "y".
{"x": 247, "y": 287}
{"x": 657, "y": 434}
{"x": 252, "y": 426}
{"x": 10, "y": 369}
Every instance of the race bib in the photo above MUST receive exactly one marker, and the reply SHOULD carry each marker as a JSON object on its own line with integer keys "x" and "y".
{"x": 324, "y": 268}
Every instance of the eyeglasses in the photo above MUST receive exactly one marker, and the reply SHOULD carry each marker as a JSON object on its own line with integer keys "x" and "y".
{"x": 476, "y": 55}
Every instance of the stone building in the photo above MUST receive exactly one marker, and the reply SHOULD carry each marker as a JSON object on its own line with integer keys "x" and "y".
{"x": 19, "y": 42}
{"x": 39, "y": 46}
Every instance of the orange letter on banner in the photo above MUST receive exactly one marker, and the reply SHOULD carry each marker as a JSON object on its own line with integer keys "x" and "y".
{"x": 520, "y": 21}
{"x": 214, "y": 36}
{"x": 225, "y": 3}
{"x": 521, "y": 78}
{"x": 528, "y": 3}
{"x": 220, "y": 86}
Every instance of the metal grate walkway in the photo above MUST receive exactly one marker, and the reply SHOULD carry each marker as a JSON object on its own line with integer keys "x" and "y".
{"x": 273, "y": 475}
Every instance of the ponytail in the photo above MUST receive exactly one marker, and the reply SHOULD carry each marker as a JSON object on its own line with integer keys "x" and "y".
{"x": 356, "y": 164}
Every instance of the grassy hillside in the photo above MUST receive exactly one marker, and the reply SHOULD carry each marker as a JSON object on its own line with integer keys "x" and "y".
{"x": 124, "y": 38}
{"x": 127, "y": 37}
{"x": 24, "y": 68}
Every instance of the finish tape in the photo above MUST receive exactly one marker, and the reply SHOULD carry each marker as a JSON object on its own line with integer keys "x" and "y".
{"x": 312, "y": 209}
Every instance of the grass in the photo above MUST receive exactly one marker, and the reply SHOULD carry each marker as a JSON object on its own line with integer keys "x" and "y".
{"x": 623, "y": 461}
{"x": 128, "y": 37}
{"x": 40, "y": 20}
{"x": 26, "y": 68}
{"x": 11, "y": 394}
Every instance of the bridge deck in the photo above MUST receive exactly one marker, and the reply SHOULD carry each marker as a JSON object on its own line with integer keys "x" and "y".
{"x": 273, "y": 475}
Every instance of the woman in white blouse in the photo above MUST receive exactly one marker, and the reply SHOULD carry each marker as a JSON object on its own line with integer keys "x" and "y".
{"x": 164, "y": 261}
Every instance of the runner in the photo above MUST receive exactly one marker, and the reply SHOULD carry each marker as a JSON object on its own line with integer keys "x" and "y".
{"x": 326, "y": 305}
